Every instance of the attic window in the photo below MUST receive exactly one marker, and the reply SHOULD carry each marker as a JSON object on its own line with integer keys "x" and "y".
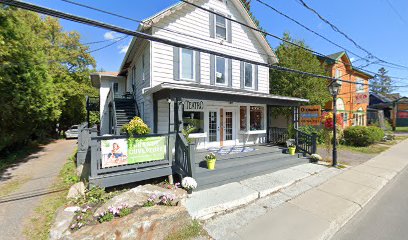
{"x": 221, "y": 27}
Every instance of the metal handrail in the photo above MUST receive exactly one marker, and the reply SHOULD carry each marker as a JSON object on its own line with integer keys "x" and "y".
{"x": 111, "y": 98}
{"x": 306, "y": 142}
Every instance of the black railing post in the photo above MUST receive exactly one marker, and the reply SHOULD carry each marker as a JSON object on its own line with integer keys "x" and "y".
{"x": 314, "y": 143}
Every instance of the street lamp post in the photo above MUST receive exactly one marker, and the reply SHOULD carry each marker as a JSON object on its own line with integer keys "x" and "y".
{"x": 334, "y": 89}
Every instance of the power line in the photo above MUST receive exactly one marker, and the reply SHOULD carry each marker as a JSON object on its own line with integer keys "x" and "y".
{"x": 94, "y": 23}
{"x": 396, "y": 12}
{"x": 108, "y": 45}
{"x": 102, "y": 41}
{"x": 195, "y": 37}
{"x": 336, "y": 29}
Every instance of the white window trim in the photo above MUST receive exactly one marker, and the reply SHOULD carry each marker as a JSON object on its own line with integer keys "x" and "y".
{"x": 248, "y": 120}
{"x": 226, "y": 27}
{"x": 360, "y": 80}
{"x": 181, "y": 66}
{"x": 225, "y": 72}
{"x": 252, "y": 78}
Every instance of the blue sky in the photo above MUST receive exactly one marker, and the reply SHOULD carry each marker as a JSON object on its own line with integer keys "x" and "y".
{"x": 373, "y": 24}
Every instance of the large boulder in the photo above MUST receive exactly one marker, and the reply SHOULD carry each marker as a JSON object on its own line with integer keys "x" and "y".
{"x": 139, "y": 195}
{"x": 76, "y": 191}
{"x": 62, "y": 222}
{"x": 145, "y": 223}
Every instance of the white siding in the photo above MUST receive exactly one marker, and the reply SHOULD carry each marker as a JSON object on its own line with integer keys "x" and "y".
{"x": 193, "y": 21}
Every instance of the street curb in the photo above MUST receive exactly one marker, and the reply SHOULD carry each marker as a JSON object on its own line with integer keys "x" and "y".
{"x": 332, "y": 231}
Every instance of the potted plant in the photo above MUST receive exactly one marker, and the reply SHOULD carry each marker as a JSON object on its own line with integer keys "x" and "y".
{"x": 189, "y": 184}
{"x": 292, "y": 149}
{"x": 210, "y": 159}
{"x": 315, "y": 158}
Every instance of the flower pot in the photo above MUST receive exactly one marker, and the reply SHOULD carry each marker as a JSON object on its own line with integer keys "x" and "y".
{"x": 292, "y": 150}
{"x": 211, "y": 164}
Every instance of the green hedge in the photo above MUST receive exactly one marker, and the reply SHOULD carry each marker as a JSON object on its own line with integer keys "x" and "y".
{"x": 361, "y": 136}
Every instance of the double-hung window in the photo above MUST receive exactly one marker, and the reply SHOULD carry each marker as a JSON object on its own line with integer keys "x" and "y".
{"x": 360, "y": 85}
{"x": 220, "y": 70}
{"x": 220, "y": 27}
{"x": 248, "y": 75}
{"x": 187, "y": 64}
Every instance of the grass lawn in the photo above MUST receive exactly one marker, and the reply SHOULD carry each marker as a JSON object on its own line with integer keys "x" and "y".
{"x": 188, "y": 232}
{"x": 38, "y": 227}
{"x": 375, "y": 148}
{"x": 401, "y": 129}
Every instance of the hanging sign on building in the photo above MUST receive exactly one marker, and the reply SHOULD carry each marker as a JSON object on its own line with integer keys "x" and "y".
{"x": 116, "y": 152}
{"x": 310, "y": 115}
{"x": 361, "y": 98}
{"x": 193, "y": 105}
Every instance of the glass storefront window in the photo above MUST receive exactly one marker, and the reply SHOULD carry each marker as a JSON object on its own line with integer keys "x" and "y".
{"x": 243, "y": 118}
{"x": 194, "y": 120}
{"x": 256, "y": 118}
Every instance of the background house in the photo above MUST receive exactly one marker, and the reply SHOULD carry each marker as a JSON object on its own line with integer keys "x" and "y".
{"x": 353, "y": 99}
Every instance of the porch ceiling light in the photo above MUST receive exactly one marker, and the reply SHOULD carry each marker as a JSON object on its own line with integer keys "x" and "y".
{"x": 334, "y": 88}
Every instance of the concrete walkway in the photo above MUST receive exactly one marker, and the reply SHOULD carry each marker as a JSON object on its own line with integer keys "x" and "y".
{"x": 315, "y": 207}
{"x": 32, "y": 179}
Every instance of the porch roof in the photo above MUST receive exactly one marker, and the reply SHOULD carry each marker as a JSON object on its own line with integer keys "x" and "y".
{"x": 217, "y": 93}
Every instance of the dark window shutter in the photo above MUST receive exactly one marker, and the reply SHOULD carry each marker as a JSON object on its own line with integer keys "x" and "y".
{"x": 212, "y": 69}
{"x": 256, "y": 78}
{"x": 229, "y": 30}
{"x": 176, "y": 63}
{"x": 229, "y": 72}
{"x": 242, "y": 75}
{"x": 198, "y": 66}
{"x": 212, "y": 26}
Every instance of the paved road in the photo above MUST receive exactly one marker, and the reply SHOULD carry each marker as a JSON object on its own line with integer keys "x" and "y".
{"x": 37, "y": 175}
{"x": 384, "y": 217}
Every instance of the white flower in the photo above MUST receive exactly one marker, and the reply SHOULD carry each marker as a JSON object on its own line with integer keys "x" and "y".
{"x": 189, "y": 183}
{"x": 316, "y": 157}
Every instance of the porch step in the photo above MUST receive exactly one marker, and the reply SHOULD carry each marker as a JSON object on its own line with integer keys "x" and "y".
{"x": 227, "y": 171}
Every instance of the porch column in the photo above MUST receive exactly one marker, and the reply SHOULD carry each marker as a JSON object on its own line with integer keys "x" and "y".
{"x": 177, "y": 121}
{"x": 268, "y": 123}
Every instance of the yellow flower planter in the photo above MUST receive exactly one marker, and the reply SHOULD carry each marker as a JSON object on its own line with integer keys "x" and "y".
{"x": 211, "y": 164}
{"x": 292, "y": 150}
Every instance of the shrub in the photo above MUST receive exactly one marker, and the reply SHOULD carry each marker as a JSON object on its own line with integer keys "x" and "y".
{"x": 136, "y": 127}
{"x": 362, "y": 136}
{"x": 310, "y": 129}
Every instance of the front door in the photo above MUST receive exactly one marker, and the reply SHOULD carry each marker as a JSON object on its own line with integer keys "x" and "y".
{"x": 213, "y": 138}
{"x": 229, "y": 127}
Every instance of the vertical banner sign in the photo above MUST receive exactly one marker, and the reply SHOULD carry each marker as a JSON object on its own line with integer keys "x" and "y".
{"x": 361, "y": 98}
{"x": 310, "y": 115}
{"x": 116, "y": 152}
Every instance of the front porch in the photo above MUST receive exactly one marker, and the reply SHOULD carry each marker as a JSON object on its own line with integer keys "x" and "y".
{"x": 242, "y": 162}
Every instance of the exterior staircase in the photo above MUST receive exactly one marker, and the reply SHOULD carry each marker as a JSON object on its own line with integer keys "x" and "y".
{"x": 125, "y": 111}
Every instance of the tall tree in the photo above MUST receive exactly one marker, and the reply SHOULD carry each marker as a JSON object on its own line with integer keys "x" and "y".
{"x": 296, "y": 85}
{"x": 44, "y": 76}
{"x": 382, "y": 83}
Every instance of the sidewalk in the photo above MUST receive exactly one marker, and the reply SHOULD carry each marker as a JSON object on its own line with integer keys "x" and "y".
{"x": 314, "y": 206}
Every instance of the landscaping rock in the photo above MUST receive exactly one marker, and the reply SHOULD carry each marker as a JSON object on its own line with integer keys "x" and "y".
{"x": 79, "y": 170}
{"x": 62, "y": 222}
{"x": 139, "y": 195}
{"x": 77, "y": 190}
{"x": 145, "y": 223}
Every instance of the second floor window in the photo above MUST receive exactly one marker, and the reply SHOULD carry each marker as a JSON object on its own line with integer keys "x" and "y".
{"x": 115, "y": 87}
{"x": 221, "y": 27}
{"x": 360, "y": 85}
{"x": 220, "y": 70}
{"x": 187, "y": 64}
{"x": 248, "y": 75}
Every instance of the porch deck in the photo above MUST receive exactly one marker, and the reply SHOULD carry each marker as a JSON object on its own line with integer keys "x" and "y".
{"x": 232, "y": 167}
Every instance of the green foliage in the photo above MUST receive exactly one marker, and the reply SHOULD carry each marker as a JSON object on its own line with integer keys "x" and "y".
{"x": 95, "y": 195}
{"x": 44, "y": 77}
{"x": 136, "y": 127}
{"x": 382, "y": 83}
{"x": 188, "y": 232}
{"x": 296, "y": 85}
{"x": 106, "y": 218}
{"x": 310, "y": 129}
{"x": 124, "y": 212}
{"x": 186, "y": 131}
{"x": 361, "y": 136}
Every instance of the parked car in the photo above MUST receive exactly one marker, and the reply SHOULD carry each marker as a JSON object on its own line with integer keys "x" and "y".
{"x": 72, "y": 132}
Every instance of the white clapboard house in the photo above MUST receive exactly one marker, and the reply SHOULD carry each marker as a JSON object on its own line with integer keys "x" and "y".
{"x": 226, "y": 101}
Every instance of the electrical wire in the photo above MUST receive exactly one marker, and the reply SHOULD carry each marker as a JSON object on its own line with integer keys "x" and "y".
{"x": 108, "y": 45}
{"x": 149, "y": 37}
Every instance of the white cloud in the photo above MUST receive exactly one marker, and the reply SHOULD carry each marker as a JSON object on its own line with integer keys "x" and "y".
{"x": 111, "y": 35}
{"x": 123, "y": 48}
{"x": 352, "y": 59}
